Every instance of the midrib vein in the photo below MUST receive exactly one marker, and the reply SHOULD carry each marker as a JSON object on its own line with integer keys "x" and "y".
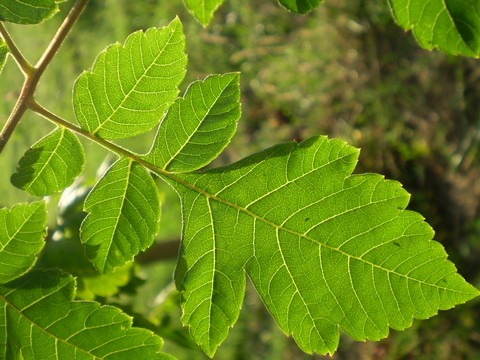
{"x": 171, "y": 177}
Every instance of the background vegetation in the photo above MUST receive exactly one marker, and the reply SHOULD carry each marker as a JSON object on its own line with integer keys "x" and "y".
{"x": 345, "y": 70}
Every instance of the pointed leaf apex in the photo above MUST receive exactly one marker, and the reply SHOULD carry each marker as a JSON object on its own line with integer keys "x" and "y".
{"x": 198, "y": 126}
{"x": 123, "y": 215}
{"x": 327, "y": 251}
{"x": 131, "y": 85}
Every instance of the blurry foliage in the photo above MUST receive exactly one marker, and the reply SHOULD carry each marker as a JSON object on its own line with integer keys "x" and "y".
{"x": 345, "y": 70}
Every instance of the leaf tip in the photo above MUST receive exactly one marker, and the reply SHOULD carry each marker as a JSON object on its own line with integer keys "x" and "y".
{"x": 175, "y": 22}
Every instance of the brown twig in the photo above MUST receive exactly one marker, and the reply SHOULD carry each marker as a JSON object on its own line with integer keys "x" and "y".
{"x": 33, "y": 75}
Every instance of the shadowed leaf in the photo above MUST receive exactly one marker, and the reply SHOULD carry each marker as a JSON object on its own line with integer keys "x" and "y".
{"x": 300, "y": 6}
{"x": 451, "y": 26}
{"x": 51, "y": 164}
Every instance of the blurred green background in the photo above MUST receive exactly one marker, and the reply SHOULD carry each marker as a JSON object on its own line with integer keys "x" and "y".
{"x": 345, "y": 70}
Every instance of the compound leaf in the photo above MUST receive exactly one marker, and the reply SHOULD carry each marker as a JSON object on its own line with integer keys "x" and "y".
{"x": 3, "y": 54}
{"x": 123, "y": 216}
{"x": 22, "y": 229}
{"x": 51, "y": 164}
{"x": 203, "y": 9}
{"x": 300, "y": 6}
{"x": 28, "y": 11}
{"x": 199, "y": 126}
{"x": 40, "y": 320}
{"x": 327, "y": 251}
{"x": 132, "y": 85}
{"x": 451, "y": 26}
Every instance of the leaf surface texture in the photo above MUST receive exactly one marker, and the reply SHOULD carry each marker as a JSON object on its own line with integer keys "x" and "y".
{"x": 27, "y": 11}
{"x": 22, "y": 229}
{"x": 326, "y": 250}
{"x": 51, "y": 164}
{"x": 123, "y": 216}
{"x": 40, "y": 320}
{"x": 132, "y": 85}
{"x": 199, "y": 126}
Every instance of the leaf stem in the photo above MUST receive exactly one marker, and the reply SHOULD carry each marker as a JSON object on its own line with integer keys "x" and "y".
{"x": 59, "y": 37}
{"x": 15, "y": 116}
{"x": 33, "y": 75}
{"x": 23, "y": 63}
{"x": 47, "y": 114}
{"x": 39, "y": 109}
{"x": 163, "y": 251}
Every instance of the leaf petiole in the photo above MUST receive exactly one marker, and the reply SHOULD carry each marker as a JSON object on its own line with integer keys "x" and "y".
{"x": 22, "y": 62}
{"x": 47, "y": 114}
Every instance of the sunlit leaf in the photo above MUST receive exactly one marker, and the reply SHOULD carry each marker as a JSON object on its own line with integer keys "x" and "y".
{"x": 451, "y": 26}
{"x": 41, "y": 321}
{"x": 199, "y": 126}
{"x": 203, "y": 9}
{"x": 22, "y": 229}
{"x": 3, "y": 54}
{"x": 51, "y": 164}
{"x": 327, "y": 251}
{"x": 123, "y": 216}
{"x": 27, "y": 11}
{"x": 132, "y": 85}
{"x": 300, "y": 6}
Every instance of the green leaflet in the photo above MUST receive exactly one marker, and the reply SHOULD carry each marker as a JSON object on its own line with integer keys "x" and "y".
{"x": 132, "y": 85}
{"x": 203, "y": 9}
{"x": 451, "y": 26}
{"x": 22, "y": 229}
{"x": 40, "y": 320}
{"x": 300, "y": 6}
{"x": 51, "y": 164}
{"x": 28, "y": 11}
{"x": 326, "y": 250}
{"x": 123, "y": 216}
{"x": 199, "y": 126}
{"x": 67, "y": 253}
{"x": 3, "y": 54}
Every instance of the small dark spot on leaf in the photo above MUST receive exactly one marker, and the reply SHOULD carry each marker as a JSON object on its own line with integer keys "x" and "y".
{"x": 306, "y": 219}
{"x": 397, "y": 244}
